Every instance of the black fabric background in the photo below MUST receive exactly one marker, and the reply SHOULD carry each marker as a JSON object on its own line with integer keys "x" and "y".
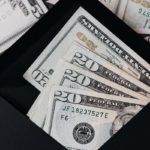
{"x": 18, "y": 133}
{"x": 13, "y": 63}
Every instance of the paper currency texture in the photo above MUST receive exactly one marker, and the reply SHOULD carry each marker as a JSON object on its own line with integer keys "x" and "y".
{"x": 85, "y": 29}
{"x": 84, "y": 120}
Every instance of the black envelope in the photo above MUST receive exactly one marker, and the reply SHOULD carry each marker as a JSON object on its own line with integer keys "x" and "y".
{"x": 13, "y": 64}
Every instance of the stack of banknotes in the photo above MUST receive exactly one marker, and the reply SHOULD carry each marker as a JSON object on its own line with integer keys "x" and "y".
{"x": 18, "y": 16}
{"x": 91, "y": 84}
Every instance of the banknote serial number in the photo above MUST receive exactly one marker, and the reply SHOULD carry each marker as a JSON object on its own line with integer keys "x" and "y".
{"x": 88, "y": 112}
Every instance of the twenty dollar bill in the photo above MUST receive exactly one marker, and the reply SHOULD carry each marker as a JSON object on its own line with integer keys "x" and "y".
{"x": 85, "y": 120}
{"x": 85, "y": 29}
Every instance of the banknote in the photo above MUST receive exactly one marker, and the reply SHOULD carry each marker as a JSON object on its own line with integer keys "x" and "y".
{"x": 18, "y": 15}
{"x": 85, "y": 120}
{"x": 84, "y": 28}
{"x": 135, "y": 13}
{"x": 68, "y": 75}
{"x": 8, "y": 15}
{"x": 82, "y": 57}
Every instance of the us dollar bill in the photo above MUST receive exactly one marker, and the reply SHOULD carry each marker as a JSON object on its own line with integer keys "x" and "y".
{"x": 24, "y": 13}
{"x": 68, "y": 75}
{"x": 135, "y": 13}
{"x": 84, "y": 58}
{"x": 84, "y": 28}
{"x": 85, "y": 120}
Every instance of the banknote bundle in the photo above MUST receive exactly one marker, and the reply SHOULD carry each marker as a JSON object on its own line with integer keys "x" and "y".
{"x": 91, "y": 84}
